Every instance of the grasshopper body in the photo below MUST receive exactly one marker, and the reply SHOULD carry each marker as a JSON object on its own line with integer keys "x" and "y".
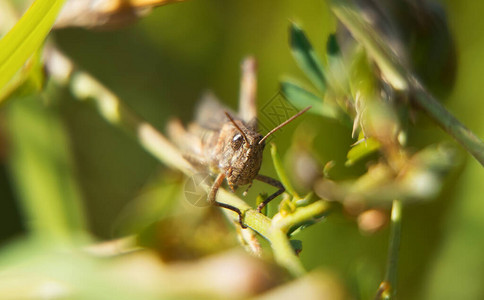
{"x": 228, "y": 144}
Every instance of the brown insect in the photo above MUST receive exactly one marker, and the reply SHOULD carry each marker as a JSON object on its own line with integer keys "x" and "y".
{"x": 226, "y": 143}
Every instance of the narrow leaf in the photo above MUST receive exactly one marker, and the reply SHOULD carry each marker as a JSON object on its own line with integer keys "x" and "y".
{"x": 26, "y": 37}
{"x": 302, "y": 98}
{"x": 305, "y": 57}
{"x": 332, "y": 46}
{"x": 337, "y": 76}
{"x": 29, "y": 80}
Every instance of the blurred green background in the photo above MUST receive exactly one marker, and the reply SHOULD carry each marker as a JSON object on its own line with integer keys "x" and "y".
{"x": 162, "y": 64}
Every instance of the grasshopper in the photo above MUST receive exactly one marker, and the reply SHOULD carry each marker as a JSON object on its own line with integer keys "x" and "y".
{"x": 226, "y": 143}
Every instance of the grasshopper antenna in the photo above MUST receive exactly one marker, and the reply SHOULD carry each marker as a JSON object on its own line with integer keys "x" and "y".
{"x": 284, "y": 124}
{"x": 237, "y": 126}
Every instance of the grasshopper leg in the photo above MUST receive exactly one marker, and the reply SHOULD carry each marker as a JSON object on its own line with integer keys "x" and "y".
{"x": 213, "y": 193}
{"x": 272, "y": 182}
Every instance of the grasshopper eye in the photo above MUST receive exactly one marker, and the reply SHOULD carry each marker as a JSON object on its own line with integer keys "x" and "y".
{"x": 237, "y": 141}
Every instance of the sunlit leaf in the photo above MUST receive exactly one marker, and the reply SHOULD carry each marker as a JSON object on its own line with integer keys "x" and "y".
{"x": 25, "y": 37}
{"x": 29, "y": 80}
{"x": 362, "y": 78}
{"x": 361, "y": 150}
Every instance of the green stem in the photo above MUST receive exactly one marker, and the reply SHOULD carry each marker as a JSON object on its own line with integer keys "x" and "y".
{"x": 275, "y": 230}
{"x": 448, "y": 122}
{"x": 284, "y": 253}
{"x": 302, "y": 214}
{"x": 276, "y": 159}
{"x": 388, "y": 288}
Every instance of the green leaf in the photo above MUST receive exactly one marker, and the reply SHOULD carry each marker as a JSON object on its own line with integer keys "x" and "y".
{"x": 29, "y": 80}
{"x": 293, "y": 231}
{"x": 305, "y": 57}
{"x": 337, "y": 76}
{"x": 42, "y": 172}
{"x": 26, "y": 37}
{"x": 332, "y": 46}
{"x": 296, "y": 245}
{"x": 302, "y": 98}
{"x": 361, "y": 150}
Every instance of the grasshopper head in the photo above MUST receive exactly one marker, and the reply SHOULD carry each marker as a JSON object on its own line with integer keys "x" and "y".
{"x": 240, "y": 147}
{"x": 241, "y": 156}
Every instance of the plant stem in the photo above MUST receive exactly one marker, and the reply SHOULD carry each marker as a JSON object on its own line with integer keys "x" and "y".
{"x": 276, "y": 159}
{"x": 275, "y": 230}
{"x": 285, "y": 255}
{"x": 448, "y": 122}
{"x": 302, "y": 214}
{"x": 388, "y": 287}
